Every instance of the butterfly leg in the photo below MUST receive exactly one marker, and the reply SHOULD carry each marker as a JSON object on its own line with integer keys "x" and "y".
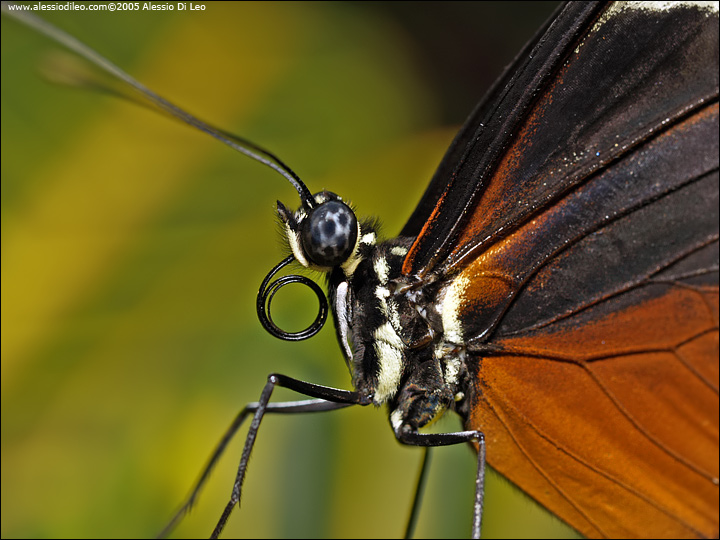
{"x": 326, "y": 399}
{"x": 406, "y": 435}
{"x": 419, "y": 490}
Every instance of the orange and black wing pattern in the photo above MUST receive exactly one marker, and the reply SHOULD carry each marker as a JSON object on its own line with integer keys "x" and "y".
{"x": 574, "y": 221}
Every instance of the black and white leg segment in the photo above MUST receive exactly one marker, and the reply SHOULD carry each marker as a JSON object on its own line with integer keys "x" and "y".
{"x": 406, "y": 435}
{"x": 326, "y": 399}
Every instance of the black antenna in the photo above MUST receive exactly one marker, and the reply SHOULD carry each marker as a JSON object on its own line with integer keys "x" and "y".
{"x": 237, "y": 143}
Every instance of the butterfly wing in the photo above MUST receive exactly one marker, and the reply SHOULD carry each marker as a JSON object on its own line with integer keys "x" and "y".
{"x": 580, "y": 248}
{"x": 598, "y": 390}
{"x": 591, "y": 107}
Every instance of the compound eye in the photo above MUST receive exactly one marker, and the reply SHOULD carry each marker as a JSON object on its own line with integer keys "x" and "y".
{"x": 329, "y": 234}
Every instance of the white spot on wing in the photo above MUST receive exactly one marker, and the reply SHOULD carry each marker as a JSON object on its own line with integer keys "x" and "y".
{"x": 619, "y": 7}
{"x": 666, "y": 6}
{"x": 399, "y": 251}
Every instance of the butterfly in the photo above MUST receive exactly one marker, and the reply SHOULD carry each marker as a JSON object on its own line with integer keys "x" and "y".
{"x": 431, "y": 216}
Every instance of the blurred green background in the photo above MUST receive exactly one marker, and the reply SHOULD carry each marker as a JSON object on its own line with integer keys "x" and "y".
{"x": 133, "y": 247}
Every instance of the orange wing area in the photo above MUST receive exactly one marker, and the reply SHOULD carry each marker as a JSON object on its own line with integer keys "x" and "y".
{"x": 612, "y": 425}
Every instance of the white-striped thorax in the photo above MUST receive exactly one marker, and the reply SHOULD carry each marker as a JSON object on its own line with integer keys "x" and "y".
{"x": 393, "y": 337}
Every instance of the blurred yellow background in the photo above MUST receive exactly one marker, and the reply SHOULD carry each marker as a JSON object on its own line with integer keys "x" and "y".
{"x": 133, "y": 247}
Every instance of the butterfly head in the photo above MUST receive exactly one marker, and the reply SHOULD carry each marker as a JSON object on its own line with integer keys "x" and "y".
{"x": 322, "y": 236}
